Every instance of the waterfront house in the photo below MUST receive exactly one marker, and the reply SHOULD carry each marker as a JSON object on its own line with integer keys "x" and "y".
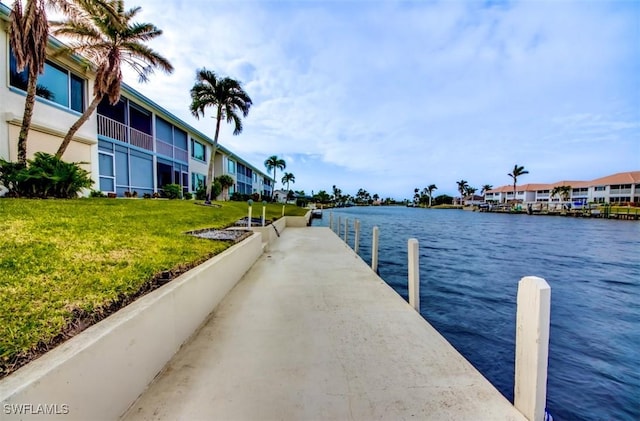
{"x": 619, "y": 188}
{"x": 135, "y": 145}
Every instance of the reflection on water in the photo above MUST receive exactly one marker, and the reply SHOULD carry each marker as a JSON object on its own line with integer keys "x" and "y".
{"x": 470, "y": 265}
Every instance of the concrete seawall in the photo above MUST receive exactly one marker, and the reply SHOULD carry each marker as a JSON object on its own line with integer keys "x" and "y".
{"x": 310, "y": 332}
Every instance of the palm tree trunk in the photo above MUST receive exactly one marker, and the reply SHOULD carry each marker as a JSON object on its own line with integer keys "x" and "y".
{"x": 213, "y": 155}
{"x": 26, "y": 118}
{"x": 76, "y": 126}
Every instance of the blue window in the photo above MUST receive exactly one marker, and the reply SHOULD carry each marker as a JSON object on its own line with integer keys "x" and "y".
{"x": 197, "y": 150}
{"x": 56, "y": 84}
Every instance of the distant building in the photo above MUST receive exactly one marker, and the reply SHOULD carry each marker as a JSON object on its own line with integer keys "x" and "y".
{"x": 617, "y": 188}
{"x": 135, "y": 145}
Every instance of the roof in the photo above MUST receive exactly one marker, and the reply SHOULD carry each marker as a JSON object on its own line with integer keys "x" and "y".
{"x": 630, "y": 177}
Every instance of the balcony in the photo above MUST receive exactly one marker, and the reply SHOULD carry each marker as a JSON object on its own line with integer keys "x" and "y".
{"x": 166, "y": 149}
{"x": 118, "y": 131}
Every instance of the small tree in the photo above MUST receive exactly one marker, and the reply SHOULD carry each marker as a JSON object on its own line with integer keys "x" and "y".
{"x": 225, "y": 181}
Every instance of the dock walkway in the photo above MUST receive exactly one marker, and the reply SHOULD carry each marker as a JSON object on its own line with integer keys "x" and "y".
{"x": 311, "y": 333}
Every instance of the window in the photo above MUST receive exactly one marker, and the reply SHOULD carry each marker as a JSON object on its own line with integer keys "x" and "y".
{"x": 56, "y": 84}
{"x": 231, "y": 166}
{"x": 600, "y": 188}
{"x": 197, "y": 181}
{"x": 197, "y": 150}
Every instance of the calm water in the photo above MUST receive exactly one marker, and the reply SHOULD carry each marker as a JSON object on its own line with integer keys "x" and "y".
{"x": 470, "y": 265}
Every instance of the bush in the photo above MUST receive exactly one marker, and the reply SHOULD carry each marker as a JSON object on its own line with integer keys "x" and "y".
{"x": 97, "y": 193}
{"x": 44, "y": 176}
{"x": 201, "y": 193}
{"x": 188, "y": 196}
{"x": 172, "y": 191}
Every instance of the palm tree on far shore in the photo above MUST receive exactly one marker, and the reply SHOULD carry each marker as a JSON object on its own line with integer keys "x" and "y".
{"x": 517, "y": 172}
{"x": 288, "y": 178}
{"x": 430, "y": 190}
{"x": 462, "y": 188}
{"x": 274, "y": 163}
{"x": 564, "y": 192}
{"x": 103, "y": 33}
{"x": 28, "y": 37}
{"x": 229, "y": 100}
{"x": 485, "y": 189}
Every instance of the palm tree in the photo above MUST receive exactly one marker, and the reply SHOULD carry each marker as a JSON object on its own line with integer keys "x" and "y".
{"x": 430, "y": 191}
{"x": 486, "y": 188}
{"x": 229, "y": 99}
{"x": 562, "y": 191}
{"x": 288, "y": 178}
{"x": 462, "y": 187}
{"x": 225, "y": 181}
{"x": 28, "y": 39}
{"x": 274, "y": 163}
{"x": 103, "y": 33}
{"x": 517, "y": 172}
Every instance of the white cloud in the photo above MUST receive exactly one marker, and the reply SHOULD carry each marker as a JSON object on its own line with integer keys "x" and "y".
{"x": 389, "y": 95}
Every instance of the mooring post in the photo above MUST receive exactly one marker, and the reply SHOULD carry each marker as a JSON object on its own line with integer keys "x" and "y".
{"x": 346, "y": 230}
{"x": 331, "y": 221}
{"x": 250, "y": 203}
{"x": 283, "y": 205}
{"x": 356, "y": 245}
{"x": 374, "y": 249}
{"x": 414, "y": 274}
{"x": 264, "y": 212}
{"x": 533, "y": 315}
{"x": 339, "y": 226}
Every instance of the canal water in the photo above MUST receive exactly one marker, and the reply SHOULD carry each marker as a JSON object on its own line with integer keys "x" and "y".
{"x": 470, "y": 265}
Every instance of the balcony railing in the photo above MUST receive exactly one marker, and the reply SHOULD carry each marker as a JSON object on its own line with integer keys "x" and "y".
{"x": 118, "y": 131}
{"x": 167, "y": 149}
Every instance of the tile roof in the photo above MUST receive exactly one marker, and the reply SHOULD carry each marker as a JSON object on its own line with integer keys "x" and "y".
{"x": 630, "y": 177}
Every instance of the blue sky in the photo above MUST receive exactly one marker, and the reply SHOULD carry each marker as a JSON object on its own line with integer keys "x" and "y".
{"x": 393, "y": 95}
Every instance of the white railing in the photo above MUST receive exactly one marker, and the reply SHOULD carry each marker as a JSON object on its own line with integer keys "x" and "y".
{"x": 181, "y": 155}
{"x": 140, "y": 139}
{"x": 111, "y": 128}
{"x": 164, "y": 148}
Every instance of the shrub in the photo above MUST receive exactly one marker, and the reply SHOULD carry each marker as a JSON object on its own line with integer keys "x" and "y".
{"x": 188, "y": 196}
{"x": 146, "y": 196}
{"x": 201, "y": 193}
{"x": 172, "y": 191}
{"x": 97, "y": 193}
{"x": 44, "y": 176}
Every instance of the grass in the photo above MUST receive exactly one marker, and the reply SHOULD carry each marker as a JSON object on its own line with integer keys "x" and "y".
{"x": 61, "y": 258}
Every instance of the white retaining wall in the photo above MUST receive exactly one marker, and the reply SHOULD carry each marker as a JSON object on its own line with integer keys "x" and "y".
{"x": 100, "y": 372}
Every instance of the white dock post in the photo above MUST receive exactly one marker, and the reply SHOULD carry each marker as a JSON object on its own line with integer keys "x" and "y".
{"x": 533, "y": 315}
{"x": 346, "y": 230}
{"x": 331, "y": 221}
{"x": 414, "y": 274}
{"x": 264, "y": 212}
{"x": 356, "y": 245}
{"x": 339, "y": 226}
{"x": 250, "y": 203}
{"x": 374, "y": 249}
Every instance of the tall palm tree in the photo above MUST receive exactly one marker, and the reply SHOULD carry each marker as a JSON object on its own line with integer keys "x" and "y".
{"x": 274, "y": 163}
{"x": 103, "y": 33}
{"x": 229, "y": 100}
{"x": 564, "y": 192}
{"x": 288, "y": 178}
{"x": 517, "y": 172}
{"x": 28, "y": 39}
{"x": 430, "y": 190}
{"x": 462, "y": 188}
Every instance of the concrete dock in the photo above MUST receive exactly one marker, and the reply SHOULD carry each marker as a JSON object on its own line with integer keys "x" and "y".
{"x": 311, "y": 333}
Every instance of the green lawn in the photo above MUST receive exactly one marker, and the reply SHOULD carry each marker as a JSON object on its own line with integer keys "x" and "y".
{"x": 58, "y": 257}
